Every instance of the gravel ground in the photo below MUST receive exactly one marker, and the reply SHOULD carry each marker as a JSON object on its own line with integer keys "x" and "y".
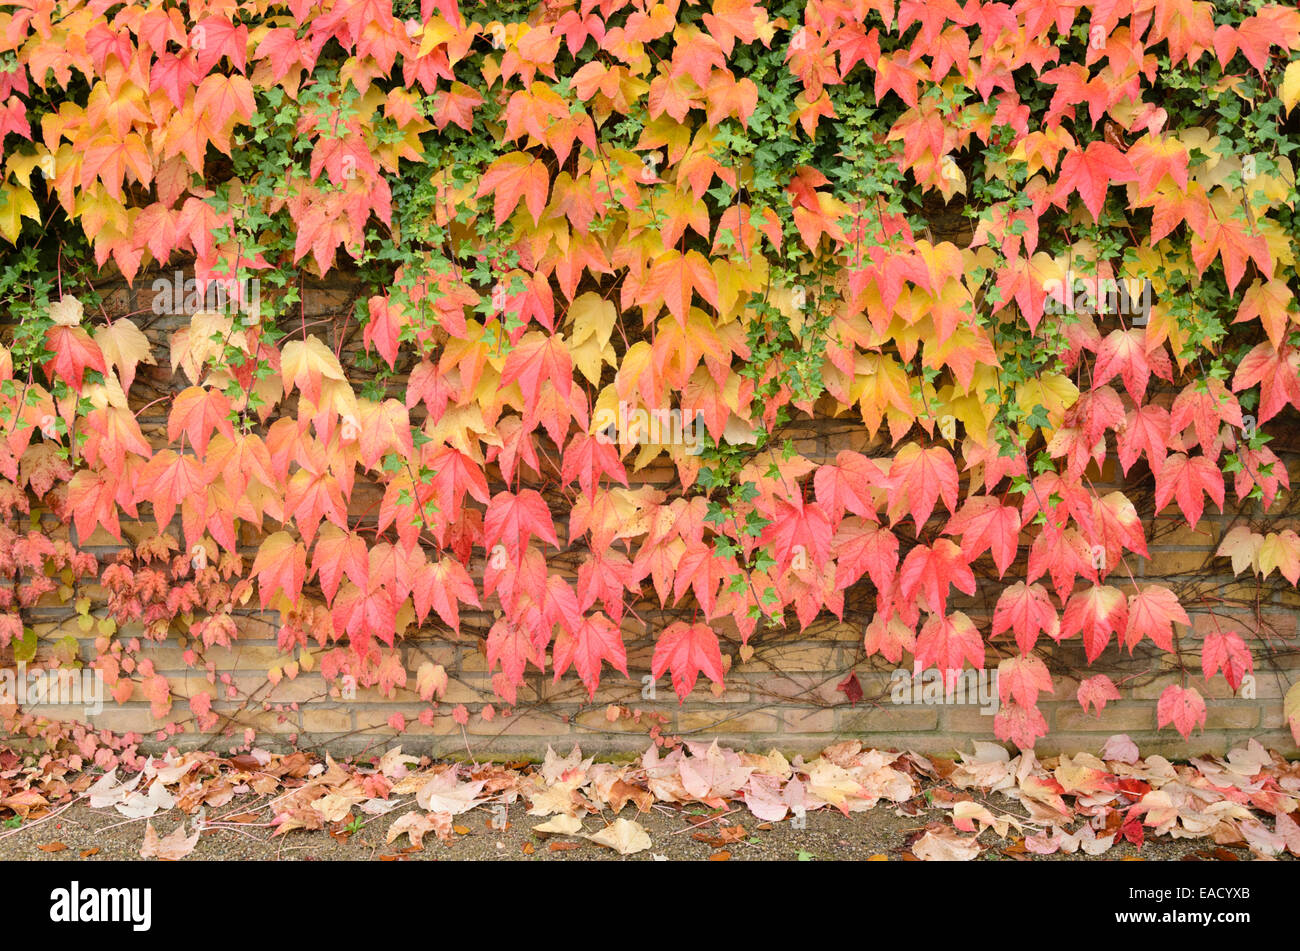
{"x": 882, "y": 833}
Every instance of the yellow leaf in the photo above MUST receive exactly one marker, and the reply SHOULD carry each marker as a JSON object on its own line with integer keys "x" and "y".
{"x": 18, "y": 204}
{"x": 124, "y": 346}
{"x": 1291, "y": 703}
{"x": 1291, "y": 86}
{"x": 305, "y": 364}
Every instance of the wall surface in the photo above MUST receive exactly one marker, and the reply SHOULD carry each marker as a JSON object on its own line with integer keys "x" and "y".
{"x": 786, "y": 692}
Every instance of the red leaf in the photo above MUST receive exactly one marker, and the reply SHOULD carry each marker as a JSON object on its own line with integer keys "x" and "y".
{"x": 918, "y": 478}
{"x": 1226, "y": 651}
{"x": 1021, "y": 678}
{"x": 510, "y": 645}
{"x": 929, "y": 571}
{"x": 801, "y": 528}
{"x": 1092, "y": 171}
{"x": 441, "y": 585}
{"x": 851, "y": 688}
{"x": 983, "y": 524}
{"x": 74, "y": 353}
{"x": 1097, "y": 691}
{"x": 1151, "y": 612}
{"x": 1185, "y": 479}
{"x": 514, "y": 176}
{"x": 197, "y": 412}
{"x": 946, "y": 642}
{"x": 339, "y": 553}
{"x": 280, "y": 565}
{"x": 1027, "y": 611}
{"x": 847, "y": 486}
{"x": 1019, "y": 725}
{"x": 889, "y": 638}
{"x": 597, "y": 639}
{"x": 686, "y": 650}
{"x": 1096, "y": 613}
{"x": 1125, "y": 353}
{"x": 1183, "y": 707}
{"x": 865, "y": 546}
{"x": 512, "y": 518}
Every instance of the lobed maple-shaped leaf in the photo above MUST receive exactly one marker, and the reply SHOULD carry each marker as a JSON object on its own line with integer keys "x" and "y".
{"x": 338, "y": 553}
{"x": 1183, "y": 707}
{"x": 512, "y": 177}
{"x": 889, "y": 638}
{"x": 74, "y": 353}
{"x": 687, "y": 650}
{"x": 1276, "y": 370}
{"x": 1026, "y": 611}
{"x": 198, "y": 412}
{"x": 596, "y": 640}
{"x": 797, "y": 528}
{"x": 929, "y": 571}
{"x": 847, "y": 486}
{"x": 280, "y": 565}
{"x": 1226, "y": 651}
{"x": 1096, "y": 691}
{"x": 1127, "y": 354}
{"x": 1187, "y": 479}
{"x": 948, "y": 641}
{"x": 861, "y": 546}
{"x": 1091, "y": 171}
{"x": 1021, "y": 678}
{"x": 441, "y": 586}
{"x": 983, "y": 524}
{"x": 1019, "y": 724}
{"x": 1151, "y": 613}
{"x": 918, "y": 478}
{"x": 514, "y": 517}
{"x": 1095, "y": 613}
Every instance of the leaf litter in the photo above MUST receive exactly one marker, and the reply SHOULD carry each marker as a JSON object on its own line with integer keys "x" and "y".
{"x": 990, "y": 801}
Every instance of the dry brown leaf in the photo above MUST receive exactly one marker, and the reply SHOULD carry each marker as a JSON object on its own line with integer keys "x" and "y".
{"x": 942, "y": 844}
{"x": 171, "y": 847}
{"x": 419, "y": 824}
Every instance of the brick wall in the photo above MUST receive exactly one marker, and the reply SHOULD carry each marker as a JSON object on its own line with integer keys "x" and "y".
{"x": 782, "y": 695}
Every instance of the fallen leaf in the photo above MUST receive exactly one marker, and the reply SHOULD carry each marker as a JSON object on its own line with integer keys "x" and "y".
{"x": 419, "y": 824}
{"x": 944, "y": 845}
{"x": 445, "y": 793}
{"x": 623, "y": 836}
{"x": 560, "y": 825}
{"x": 171, "y": 847}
